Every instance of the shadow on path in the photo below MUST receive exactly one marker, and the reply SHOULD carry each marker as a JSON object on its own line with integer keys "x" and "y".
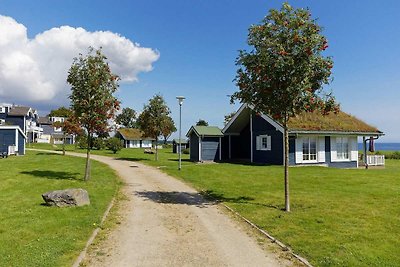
{"x": 182, "y": 198}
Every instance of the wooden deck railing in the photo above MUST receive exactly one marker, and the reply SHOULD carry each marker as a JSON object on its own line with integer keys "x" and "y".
{"x": 376, "y": 160}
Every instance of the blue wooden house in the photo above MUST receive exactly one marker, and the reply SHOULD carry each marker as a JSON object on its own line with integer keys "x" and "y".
{"x": 314, "y": 139}
{"x": 12, "y": 140}
{"x": 205, "y": 143}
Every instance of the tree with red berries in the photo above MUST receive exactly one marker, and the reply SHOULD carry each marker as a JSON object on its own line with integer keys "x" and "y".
{"x": 92, "y": 101}
{"x": 285, "y": 70}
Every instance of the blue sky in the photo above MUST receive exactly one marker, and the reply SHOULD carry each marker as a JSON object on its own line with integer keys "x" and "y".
{"x": 198, "y": 41}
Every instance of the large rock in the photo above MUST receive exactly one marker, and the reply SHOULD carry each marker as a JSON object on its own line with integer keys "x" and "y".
{"x": 67, "y": 197}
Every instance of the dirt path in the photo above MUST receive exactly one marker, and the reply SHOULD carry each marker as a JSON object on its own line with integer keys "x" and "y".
{"x": 167, "y": 223}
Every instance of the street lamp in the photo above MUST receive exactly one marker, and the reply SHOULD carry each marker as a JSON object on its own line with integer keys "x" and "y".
{"x": 180, "y": 101}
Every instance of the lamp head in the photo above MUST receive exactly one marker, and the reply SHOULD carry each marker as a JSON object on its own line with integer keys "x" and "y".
{"x": 180, "y": 99}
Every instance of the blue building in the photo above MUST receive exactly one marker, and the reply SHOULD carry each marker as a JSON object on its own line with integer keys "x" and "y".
{"x": 205, "y": 143}
{"x": 314, "y": 139}
{"x": 12, "y": 140}
{"x": 24, "y": 117}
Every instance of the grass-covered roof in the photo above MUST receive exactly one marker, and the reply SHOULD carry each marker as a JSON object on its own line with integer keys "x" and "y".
{"x": 343, "y": 122}
{"x": 133, "y": 134}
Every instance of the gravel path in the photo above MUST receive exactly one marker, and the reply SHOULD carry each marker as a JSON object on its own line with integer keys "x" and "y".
{"x": 167, "y": 223}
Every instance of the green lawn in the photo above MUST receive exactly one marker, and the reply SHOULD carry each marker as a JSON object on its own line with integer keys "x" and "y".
{"x": 32, "y": 234}
{"x": 340, "y": 217}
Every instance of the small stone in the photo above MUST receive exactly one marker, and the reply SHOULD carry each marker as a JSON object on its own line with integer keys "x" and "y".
{"x": 67, "y": 197}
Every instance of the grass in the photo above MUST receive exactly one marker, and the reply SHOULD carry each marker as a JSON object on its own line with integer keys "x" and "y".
{"x": 36, "y": 235}
{"x": 340, "y": 217}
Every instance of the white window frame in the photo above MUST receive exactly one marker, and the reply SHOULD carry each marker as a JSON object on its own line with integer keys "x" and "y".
{"x": 263, "y": 142}
{"x": 342, "y": 154}
{"x": 306, "y": 157}
{"x": 2, "y": 122}
{"x": 2, "y": 109}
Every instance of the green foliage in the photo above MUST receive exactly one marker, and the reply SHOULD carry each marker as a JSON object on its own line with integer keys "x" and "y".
{"x": 228, "y": 117}
{"x": 186, "y": 151}
{"x": 114, "y": 144}
{"x": 284, "y": 72}
{"x": 98, "y": 143}
{"x": 92, "y": 100}
{"x": 60, "y": 112}
{"x": 82, "y": 141}
{"x": 127, "y": 118}
{"x": 168, "y": 128}
{"x": 202, "y": 122}
{"x": 155, "y": 118}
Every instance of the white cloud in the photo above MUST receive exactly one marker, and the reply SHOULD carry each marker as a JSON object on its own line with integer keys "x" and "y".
{"x": 35, "y": 70}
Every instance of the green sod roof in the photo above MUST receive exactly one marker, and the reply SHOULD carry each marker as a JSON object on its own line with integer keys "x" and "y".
{"x": 133, "y": 134}
{"x": 340, "y": 122}
{"x": 206, "y": 131}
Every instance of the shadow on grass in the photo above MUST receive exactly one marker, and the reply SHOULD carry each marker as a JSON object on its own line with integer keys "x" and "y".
{"x": 183, "y": 160}
{"x": 181, "y": 198}
{"x": 132, "y": 159}
{"x": 47, "y": 154}
{"x": 216, "y": 197}
{"x": 54, "y": 175}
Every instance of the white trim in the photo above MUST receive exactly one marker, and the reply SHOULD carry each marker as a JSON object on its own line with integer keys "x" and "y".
{"x": 242, "y": 107}
{"x": 299, "y": 150}
{"x": 251, "y": 136}
{"x": 334, "y": 157}
{"x": 321, "y": 149}
{"x": 259, "y": 142}
{"x": 309, "y": 143}
{"x": 338, "y": 133}
{"x": 13, "y": 127}
{"x": 353, "y": 147}
{"x": 199, "y": 148}
{"x": 16, "y": 140}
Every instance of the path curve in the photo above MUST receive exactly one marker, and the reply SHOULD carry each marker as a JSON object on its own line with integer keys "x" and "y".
{"x": 167, "y": 223}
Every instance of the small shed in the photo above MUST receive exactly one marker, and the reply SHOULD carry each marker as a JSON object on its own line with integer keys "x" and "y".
{"x": 175, "y": 144}
{"x": 134, "y": 138}
{"x": 205, "y": 143}
{"x": 12, "y": 140}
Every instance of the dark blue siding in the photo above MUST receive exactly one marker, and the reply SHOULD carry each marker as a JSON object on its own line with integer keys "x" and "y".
{"x": 225, "y": 147}
{"x": 21, "y": 143}
{"x": 273, "y": 156}
{"x": 19, "y": 121}
{"x": 210, "y": 148}
{"x": 194, "y": 147}
{"x": 292, "y": 150}
{"x": 7, "y": 138}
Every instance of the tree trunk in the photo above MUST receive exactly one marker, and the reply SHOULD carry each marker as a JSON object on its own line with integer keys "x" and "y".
{"x": 87, "y": 169}
{"x": 156, "y": 149}
{"x": 286, "y": 163}
{"x": 63, "y": 146}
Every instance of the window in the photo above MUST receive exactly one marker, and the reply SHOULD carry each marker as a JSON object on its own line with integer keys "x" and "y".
{"x": 342, "y": 147}
{"x": 263, "y": 142}
{"x": 2, "y": 122}
{"x": 310, "y": 149}
{"x": 2, "y": 110}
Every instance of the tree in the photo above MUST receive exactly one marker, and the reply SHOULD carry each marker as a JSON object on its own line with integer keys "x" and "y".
{"x": 153, "y": 119}
{"x": 60, "y": 112}
{"x": 284, "y": 72}
{"x": 127, "y": 118}
{"x": 114, "y": 144}
{"x": 92, "y": 100}
{"x": 228, "y": 117}
{"x": 168, "y": 128}
{"x": 202, "y": 122}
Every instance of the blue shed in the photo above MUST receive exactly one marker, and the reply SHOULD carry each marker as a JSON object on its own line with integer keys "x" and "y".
{"x": 205, "y": 143}
{"x": 12, "y": 140}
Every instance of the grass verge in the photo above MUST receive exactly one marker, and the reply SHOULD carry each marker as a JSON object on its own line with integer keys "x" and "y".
{"x": 36, "y": 235}
{"x": 340, "y": 217}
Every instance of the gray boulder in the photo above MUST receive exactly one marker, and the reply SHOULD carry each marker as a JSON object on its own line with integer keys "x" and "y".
{"x": 67, "y": 197}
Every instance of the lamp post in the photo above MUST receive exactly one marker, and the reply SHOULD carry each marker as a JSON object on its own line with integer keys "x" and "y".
{"x": 180, "y": 101}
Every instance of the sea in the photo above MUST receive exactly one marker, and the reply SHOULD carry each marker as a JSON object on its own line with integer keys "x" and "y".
{"x": 382, "y": 146}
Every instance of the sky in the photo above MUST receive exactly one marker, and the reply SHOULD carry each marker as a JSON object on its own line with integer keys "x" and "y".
{"x": 189, "y": 48}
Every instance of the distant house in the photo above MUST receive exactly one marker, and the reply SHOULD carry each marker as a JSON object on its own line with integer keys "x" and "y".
{"x": 12, "y": 140}
{"x": 134, "y": 138}
{"x": 175, "y": 144}
{"x": 314, "y": 139}
{"x": 205, "y": 143}
{"x": 24, "y": 117}
{"x": 51, "y": 134}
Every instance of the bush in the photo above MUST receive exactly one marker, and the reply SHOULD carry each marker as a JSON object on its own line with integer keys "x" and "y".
{"x": 98, "y": 143}
{"x": 185, "y": 151}
{"x": 81, "y": 141}
{"x": 114, "y": 144}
